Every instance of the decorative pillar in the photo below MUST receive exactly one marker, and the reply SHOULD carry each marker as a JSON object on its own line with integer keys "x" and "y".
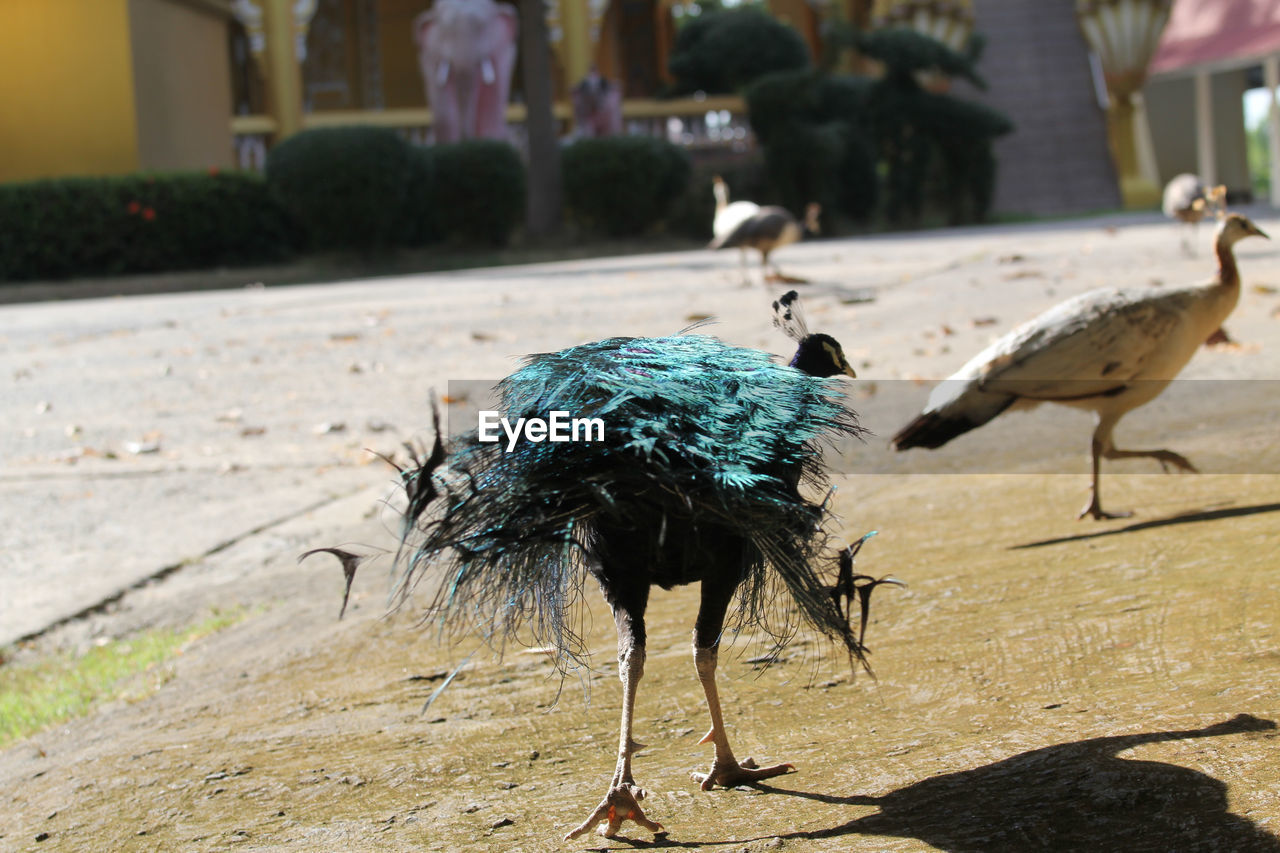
{"x": 1206, "y": 156}
{"x": 1271, "y": 72}
{"x": 278, "y": 39}
{"x": 1124, "y": 35}
{"x": 575, "y": 49}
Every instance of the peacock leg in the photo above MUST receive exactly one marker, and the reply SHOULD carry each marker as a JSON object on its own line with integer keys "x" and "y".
{"x": 725, "y": 770}
{"x": 621, "y": 802}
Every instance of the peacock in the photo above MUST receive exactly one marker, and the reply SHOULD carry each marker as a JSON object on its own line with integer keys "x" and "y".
{"x": 1108, "y": 351}
{"x": 696, "y": 477}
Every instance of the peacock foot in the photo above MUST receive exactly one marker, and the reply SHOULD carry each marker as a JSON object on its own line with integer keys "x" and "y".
{"x": 733, "y": 774}
{"x": 620, "y": 804}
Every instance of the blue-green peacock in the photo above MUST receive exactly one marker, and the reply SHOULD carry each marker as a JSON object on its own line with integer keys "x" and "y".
{"x": 698, "y": 478}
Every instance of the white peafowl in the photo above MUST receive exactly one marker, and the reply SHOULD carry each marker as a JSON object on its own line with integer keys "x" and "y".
{"x": 745, "y": 225}
{"x": 1188, "y": 200}
{"x": 1107, "y": 350}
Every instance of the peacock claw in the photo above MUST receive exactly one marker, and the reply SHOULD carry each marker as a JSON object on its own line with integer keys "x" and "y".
{"x": 744, "y": 773}
{"x": 620, "y": 804}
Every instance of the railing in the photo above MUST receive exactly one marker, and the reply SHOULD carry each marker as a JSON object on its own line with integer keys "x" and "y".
{"x": 715, "y": 123}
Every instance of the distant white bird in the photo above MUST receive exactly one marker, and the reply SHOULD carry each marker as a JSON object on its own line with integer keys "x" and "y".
{"x": 1188, "y": 200}
{"x": 1108, "y": 350}
{"x": 746, "y": 225}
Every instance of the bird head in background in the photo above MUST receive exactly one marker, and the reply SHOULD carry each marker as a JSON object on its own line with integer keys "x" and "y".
{"x": 812, "y": 211}
{"x": 1216, "y": 199}
{"x": 721, "y": 191}
{"x": 1235, "y": 227}
{"x": 818, "y": 354}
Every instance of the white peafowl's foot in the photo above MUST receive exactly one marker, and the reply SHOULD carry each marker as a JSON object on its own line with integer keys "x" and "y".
{"x": 732, "y": 774}
{"x": 783, "y": 278}
{"x": 620, "y": 804}
{"x": 1177, "y": 460}
{"x": 1095, "y": 509}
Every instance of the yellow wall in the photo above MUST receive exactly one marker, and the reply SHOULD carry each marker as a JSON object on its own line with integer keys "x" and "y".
{"x": 66, "y": 89}
{"x": 182, "y": 84}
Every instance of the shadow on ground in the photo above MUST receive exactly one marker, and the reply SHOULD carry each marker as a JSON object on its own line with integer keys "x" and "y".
{"x": 1072, "y": 796}
{"x": 1183, "y": 518}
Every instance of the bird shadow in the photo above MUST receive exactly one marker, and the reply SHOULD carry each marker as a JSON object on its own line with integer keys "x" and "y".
{"x": 1071, "y": 796}
{"x": 1183, "y": 518}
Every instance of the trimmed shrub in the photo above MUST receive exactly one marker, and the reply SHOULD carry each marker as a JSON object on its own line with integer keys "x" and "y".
{"x": 348, "y": 186}
{"x": 720, "y": 52}
{"x": 139, "y": 223}
{"x": 479, "y": 195}
{"x": 623, "y": 185}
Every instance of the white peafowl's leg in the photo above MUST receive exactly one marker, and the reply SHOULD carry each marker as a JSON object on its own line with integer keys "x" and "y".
{"x": 1099, "y": 447}
{"x": 622, "y": 800}
{"x": 725, "y": 770}
{"x": 1164, "y": 457}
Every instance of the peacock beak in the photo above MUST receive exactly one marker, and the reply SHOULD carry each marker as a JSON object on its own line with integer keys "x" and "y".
{"x": 1261, "y": 233}
{"x": 848, "y": 371}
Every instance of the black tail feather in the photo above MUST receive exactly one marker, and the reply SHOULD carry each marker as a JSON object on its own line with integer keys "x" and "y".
{"x": 931, "y": 430}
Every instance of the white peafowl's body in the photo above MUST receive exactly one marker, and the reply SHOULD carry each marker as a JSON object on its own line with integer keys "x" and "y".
{"x": 1108, "y": 351}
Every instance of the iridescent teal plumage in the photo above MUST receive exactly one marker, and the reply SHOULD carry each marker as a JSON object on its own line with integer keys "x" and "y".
{"x": 702, "y": 441}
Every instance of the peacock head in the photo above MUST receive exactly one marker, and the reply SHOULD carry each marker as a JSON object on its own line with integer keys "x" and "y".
{"x": 1235, "y": 227}
{"x": 817, "y": 354}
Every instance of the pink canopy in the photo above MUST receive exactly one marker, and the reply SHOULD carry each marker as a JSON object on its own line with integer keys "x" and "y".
{"x": 1204, "y": 32}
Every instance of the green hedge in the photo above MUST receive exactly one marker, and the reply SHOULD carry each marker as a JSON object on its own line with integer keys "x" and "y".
{"x": 349, "y": 187}
{"x": 67, "y": 227}
{"x": 366, "y": 189}
{"x": 623, "y": 185}
{"x": 480, "y": 189}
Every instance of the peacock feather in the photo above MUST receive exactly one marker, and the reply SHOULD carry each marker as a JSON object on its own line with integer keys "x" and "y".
{"x": 698, "y": 432}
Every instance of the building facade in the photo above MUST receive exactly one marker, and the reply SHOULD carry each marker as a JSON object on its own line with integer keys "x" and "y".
{"x": 112, "y": 86}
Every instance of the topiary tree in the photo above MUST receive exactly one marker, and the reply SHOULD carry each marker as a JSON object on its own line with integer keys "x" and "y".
{"x": 722, "y": 51}
{"x": 816, "y": 142}
{"x": 623, "y": 185}
{"x": 847, "y": 140}
{"x": 347, "y": 186}
{"x": 926, "y": 138}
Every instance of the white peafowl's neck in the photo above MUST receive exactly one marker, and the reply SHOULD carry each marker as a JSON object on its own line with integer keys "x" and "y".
{"x": 1228, "y": 272}
{"x": 722, "y": 195}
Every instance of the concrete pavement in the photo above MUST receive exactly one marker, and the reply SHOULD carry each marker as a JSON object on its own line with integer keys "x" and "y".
{"x": 144, "y": 432}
